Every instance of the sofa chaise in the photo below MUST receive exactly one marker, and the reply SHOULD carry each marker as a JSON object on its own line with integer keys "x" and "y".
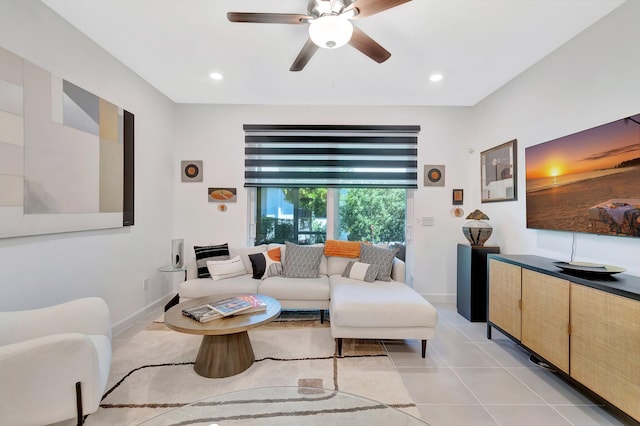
{"x": 362, "y": 286}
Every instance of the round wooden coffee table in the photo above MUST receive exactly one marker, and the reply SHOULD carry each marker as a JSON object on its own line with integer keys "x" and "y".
{"x": 225, "y": 349}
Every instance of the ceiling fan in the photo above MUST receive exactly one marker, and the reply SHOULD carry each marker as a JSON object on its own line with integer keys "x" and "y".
{"x": 330, "y": 26}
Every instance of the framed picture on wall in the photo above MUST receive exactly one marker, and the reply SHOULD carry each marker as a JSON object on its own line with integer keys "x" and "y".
{"x": 191, "y": 171}
{"x": 222, "y": 195}
{"x": 498, "y": 173}
{"x": 458, "y": 197}
{"x": 64, "y": 168}
{"x": 433, "y": 175}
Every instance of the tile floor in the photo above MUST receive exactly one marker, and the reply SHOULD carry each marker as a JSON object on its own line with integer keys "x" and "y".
{"x": 469, "y": 380}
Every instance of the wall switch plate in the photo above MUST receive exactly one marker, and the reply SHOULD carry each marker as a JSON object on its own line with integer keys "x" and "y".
{"x": 428, "y": 221}
{"x": 145, "y": 284}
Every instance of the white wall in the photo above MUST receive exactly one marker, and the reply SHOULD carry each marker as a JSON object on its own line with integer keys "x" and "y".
{"x": 42, "y": 270}
{"x": 213, "y": 133}
{"x": 591, "y": 80}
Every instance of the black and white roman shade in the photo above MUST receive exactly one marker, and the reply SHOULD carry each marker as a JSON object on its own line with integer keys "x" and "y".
{"x": 294, "y": 156}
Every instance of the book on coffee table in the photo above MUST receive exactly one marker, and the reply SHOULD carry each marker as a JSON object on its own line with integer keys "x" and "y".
{"x": 202, "y": 313}
{"x": 257, "y": 305}
{"x": 231, "y": 306}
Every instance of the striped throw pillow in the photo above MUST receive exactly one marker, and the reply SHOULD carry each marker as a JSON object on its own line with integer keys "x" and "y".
{"x": 361, "y": 271}
{"x": 207, "y": 253}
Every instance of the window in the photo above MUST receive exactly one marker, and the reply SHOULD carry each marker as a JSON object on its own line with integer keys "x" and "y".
{"x": 298, "y": 215}
{"x": 342, "y": 182}
{"x": 281, "y": 156}
{"x": 372, "y": 214}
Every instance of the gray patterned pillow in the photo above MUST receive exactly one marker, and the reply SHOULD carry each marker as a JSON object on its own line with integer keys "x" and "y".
{"x": 378, "y": 256}
{"x": 361, "y": 271}
{"x": 302, "y": 261}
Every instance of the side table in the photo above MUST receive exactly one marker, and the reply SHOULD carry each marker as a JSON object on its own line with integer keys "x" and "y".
{"x": 176, "y": 299}
{"x": 471, "y": 294}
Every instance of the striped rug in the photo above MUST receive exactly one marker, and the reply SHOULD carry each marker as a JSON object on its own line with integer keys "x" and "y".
{"x": 153, "y": 372}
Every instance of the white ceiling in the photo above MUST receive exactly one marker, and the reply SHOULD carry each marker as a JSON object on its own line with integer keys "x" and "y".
{"x": 479, "y": 45}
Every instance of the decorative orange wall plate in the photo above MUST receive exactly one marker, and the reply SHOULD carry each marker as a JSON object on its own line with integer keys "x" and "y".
{"x": 222, "y": 195}
{"x": 191, "y": 171}
{"x": 433, "y": 175}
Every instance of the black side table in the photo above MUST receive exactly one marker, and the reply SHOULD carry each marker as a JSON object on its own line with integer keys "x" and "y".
{"x": 471, "y": 292}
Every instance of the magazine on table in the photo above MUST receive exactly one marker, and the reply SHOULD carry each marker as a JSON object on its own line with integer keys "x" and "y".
{"x": 202, "y": 313}
{"x": 231, "y": 306}
{"x": 257, "y": 305}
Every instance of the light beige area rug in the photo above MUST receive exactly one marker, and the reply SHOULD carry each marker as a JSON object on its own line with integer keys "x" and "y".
{"x": 153, "y": 372}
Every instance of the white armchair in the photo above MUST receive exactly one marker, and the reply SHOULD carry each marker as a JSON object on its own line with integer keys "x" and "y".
{"x": 54, "y": 361}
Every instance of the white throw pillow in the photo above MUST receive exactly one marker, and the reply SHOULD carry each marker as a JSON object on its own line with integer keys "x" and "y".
{"x": 244, "y": 253}
{"x": 361, "y": 271}
{"x": 221, "y": 269}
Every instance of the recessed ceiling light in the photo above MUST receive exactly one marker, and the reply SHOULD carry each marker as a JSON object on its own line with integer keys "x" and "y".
{"x": 216, "y": 76}
{"x": 435, "y": 77}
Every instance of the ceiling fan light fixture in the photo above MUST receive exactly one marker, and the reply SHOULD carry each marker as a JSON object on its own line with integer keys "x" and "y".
{"x": 331, "y": 31}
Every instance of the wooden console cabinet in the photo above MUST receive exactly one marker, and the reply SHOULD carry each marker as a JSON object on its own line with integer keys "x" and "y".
{"x": 505, "y": 294}
{"x": 605, "y": 346}
{"x": 587, "y": 327}
{"x": 545, "y": 317}
{"x": 471, "y": 291}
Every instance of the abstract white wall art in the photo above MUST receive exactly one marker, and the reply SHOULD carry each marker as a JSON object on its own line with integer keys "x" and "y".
{"x": 66, "y": 155}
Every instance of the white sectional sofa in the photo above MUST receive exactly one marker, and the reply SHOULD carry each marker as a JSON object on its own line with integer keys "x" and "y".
{"x": 358, "y": 309}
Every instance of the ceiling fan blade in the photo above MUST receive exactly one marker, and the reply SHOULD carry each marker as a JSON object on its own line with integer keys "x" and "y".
{"x": 368, "y": 46}
{"x": 371, "y": 7}
{"x": 305, "y": 54}
{"x": 268, "y": 18}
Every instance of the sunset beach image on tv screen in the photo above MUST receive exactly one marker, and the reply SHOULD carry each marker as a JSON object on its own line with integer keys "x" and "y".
{"x": 587, "y": 181}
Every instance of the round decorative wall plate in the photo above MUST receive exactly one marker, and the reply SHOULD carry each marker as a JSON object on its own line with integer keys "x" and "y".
{"x": 191, "y": 170}
{"x": 457, "y": 212}
{"x": 433, "y": 175}
{"x": 221, "y": 194}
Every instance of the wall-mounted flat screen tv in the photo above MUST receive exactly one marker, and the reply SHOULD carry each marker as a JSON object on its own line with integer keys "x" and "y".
{"x": 587, "y": 181}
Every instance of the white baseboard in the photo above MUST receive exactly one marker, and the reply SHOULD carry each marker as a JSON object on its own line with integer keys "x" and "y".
{"x": 129, "y": 321}
{"x": 440, "y": 298}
